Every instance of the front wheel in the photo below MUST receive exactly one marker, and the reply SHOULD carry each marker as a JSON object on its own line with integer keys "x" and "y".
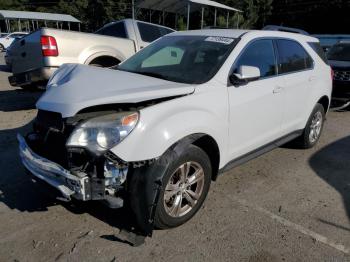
{"x": 313, "y": 129}
{"x": 185, "y": 187}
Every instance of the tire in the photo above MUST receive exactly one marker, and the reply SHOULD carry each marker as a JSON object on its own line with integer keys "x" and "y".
{"x": 177, "y": 179}
{"x": 312, "y": 132}
{"x": 30, "y": 87}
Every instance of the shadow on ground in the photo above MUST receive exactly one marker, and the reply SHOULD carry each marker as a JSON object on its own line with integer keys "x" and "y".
{"x": 332, "y": 164}
{"x": 5, "y": 68}
{"x": 18, "y": 99}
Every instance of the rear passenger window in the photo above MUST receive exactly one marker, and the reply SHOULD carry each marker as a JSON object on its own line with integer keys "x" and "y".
{"x": 149, "y": 33}
{"x": 319, "y": 50}
{"x": 259, "y": 54}
{"x": 292, "y": 57}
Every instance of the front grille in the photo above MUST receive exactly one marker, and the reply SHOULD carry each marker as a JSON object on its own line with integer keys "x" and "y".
{"x": 341, "y": 75}
{"x": 50, "y": 128}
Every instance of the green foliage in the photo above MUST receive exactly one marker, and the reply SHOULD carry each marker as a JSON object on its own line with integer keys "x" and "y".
{"x": 255, "y": 12}
{"x": 221, "y": 21}
{"x": 181, "y": 25}
{"x": 12, "y": 4}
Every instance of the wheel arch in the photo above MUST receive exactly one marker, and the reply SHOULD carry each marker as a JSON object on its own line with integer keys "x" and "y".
{"x": 97, "y": 54}
{"x": 325, "y": 102}
{"x": 105, "y": 61}
{"x": 205, "y": 142}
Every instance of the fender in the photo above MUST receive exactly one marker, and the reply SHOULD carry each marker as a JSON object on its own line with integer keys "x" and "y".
{"x": 145, "y": 184}
{"x": 162, "y": 125}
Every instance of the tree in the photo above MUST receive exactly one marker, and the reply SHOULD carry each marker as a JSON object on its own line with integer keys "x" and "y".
{"x": 256, "y": 13}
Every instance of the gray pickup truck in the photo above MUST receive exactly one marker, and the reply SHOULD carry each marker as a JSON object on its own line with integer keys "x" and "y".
{"x": 38, "y": 55}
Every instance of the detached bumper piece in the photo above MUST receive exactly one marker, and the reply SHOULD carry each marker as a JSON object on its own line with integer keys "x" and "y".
{"x": 53, "y": 174}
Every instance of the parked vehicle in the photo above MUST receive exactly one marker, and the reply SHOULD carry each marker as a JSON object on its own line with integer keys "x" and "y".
{"x": 6, "y": 41}
{"x": 39, "y": 54}
{"x": 156, "y": 130}
{"x": 327, "y": 41}
{"x": 339, "y": 59}
{"x": 8, "y": 54}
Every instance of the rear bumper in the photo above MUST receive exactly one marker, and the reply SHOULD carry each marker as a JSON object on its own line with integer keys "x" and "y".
{"x": 55, "y": 175}
{"x": 40, "y": 75}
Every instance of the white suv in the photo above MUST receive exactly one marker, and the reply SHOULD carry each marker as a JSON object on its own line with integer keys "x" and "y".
{"x": 155, "y": 131}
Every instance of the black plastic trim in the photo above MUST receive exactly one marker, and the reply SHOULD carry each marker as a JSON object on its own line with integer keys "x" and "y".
{"x": 262, "y": 150}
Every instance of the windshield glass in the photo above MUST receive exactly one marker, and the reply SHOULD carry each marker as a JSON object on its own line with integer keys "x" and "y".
{"x": 339, "y": 52}
{"x": 184, "y": 59}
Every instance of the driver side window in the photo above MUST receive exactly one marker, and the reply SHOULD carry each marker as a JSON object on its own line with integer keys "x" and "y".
{"x": 259, "y": 54}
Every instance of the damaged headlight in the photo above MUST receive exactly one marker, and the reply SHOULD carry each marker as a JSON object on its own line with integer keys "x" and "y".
{"x": 103, "y": 133}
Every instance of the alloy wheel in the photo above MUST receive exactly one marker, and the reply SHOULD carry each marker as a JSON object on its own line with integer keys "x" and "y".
{"x": 315, "y": 127}
{"x": 184, "y": 189}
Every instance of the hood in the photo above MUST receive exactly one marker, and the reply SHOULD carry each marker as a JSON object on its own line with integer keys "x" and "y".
{"x": 339, "y": 64}
{"x": 74, "y": 87}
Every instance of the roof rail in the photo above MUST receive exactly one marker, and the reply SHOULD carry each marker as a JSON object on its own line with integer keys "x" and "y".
{"x": 285, "y": 29}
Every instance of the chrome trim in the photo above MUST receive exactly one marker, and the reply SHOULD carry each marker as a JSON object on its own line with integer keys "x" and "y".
{"x": 53, "y": 174}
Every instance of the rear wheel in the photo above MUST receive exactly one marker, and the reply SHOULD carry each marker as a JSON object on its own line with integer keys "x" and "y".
{"x": 313, "y": 129}
{"x": 185, "y": 187}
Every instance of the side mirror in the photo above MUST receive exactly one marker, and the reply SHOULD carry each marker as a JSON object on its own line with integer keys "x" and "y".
{"x": 245, "y": 75}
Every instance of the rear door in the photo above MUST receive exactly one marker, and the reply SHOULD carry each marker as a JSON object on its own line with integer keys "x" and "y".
{"x": 295, "y": 66}
{"x": 26, "y": 53}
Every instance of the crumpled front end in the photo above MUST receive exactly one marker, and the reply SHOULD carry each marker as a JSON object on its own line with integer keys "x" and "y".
{"x": 74, "y": 172}
{"x": 55, "y": 175}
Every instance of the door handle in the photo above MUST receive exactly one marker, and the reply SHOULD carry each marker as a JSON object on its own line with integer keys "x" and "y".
{"x": 278, "y": 89}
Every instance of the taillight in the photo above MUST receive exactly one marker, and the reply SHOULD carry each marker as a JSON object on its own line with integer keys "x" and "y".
{"x": 332, "y": 74}
{"x": 49, "y": 45}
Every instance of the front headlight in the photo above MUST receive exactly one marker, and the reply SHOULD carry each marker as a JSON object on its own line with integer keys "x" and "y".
{"x": 103, "y": 133}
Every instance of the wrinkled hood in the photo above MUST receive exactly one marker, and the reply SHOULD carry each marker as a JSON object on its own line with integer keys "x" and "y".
{"x": 74, "y": 87}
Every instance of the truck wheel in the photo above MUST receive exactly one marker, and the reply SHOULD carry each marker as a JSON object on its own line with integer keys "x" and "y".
{"x": 30, "y": 87}
{"x": 185, "y": 186}
{"x": 313, "y": 129}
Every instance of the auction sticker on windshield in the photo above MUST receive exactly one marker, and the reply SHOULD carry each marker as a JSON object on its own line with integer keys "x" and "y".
{"x": 218, "y": 39}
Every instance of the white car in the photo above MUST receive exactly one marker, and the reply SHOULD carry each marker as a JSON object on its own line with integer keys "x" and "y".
{"x": 155, "y": 131}
{"x": 6, "y": 41}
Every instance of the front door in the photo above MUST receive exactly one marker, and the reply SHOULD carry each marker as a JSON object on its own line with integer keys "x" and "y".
{"x": 255, "y": 108}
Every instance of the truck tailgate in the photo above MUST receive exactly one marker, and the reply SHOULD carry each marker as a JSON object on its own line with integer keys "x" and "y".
{"x": 27, "y": 54}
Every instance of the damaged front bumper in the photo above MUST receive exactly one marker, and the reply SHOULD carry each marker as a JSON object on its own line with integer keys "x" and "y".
{"x": 68, "y": 184}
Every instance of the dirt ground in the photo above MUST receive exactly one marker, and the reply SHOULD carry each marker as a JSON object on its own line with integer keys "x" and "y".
{"x": 288, "y": 205}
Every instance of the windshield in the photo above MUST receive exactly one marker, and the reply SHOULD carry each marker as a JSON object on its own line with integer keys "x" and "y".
{"x": 184, "y": 59}
{"x": 340, "y": 52}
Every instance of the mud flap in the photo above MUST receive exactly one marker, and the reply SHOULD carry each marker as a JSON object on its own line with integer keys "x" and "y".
{"x": 145, "y": 185}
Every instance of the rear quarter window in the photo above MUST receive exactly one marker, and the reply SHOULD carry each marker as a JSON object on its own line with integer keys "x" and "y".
{"x": 319, "y": 51}
{"x": 292, "y": 57}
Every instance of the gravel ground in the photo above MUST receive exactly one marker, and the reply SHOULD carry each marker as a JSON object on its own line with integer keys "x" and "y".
{"x": 288, "y": 205}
